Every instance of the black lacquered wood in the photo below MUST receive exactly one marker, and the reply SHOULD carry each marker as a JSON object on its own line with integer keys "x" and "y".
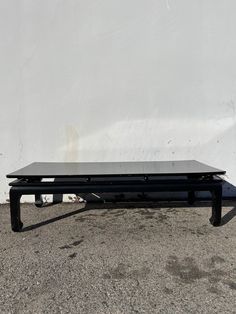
{"x": 114, "y": 177}
{"x": 92, "y": 169}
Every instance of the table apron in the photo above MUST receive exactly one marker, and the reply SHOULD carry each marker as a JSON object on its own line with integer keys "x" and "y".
{"x": 65, "y": 189}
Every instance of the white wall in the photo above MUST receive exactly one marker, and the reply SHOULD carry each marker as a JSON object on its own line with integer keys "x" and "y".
{"x": 116, "y": 80}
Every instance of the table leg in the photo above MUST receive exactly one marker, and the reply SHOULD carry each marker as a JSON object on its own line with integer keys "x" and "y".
{"x": 191, "y": 197}
{"x": 216, "y": 206}
{"x": 57, "y": 198}
{"x": 191, "y": 194}
{"x": 16, "y": 223}
{"x": 38, "y": 200}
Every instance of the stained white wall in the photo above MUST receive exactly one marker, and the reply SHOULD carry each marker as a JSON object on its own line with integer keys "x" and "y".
{"x": 117, "y": 80}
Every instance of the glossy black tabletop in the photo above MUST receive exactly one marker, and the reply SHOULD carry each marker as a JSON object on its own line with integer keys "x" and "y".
{"x": 82, "y": 169}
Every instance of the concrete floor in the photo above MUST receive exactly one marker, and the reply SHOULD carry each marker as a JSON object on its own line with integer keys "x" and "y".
{"x": 125, "y": 258}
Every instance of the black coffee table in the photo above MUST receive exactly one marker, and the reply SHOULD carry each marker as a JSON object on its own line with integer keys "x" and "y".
{"x": 99, "y": 177}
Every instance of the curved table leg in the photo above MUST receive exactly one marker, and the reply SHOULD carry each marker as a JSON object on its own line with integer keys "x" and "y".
{"x": 16, "y": 223}
{"x": 216, "y": 206}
